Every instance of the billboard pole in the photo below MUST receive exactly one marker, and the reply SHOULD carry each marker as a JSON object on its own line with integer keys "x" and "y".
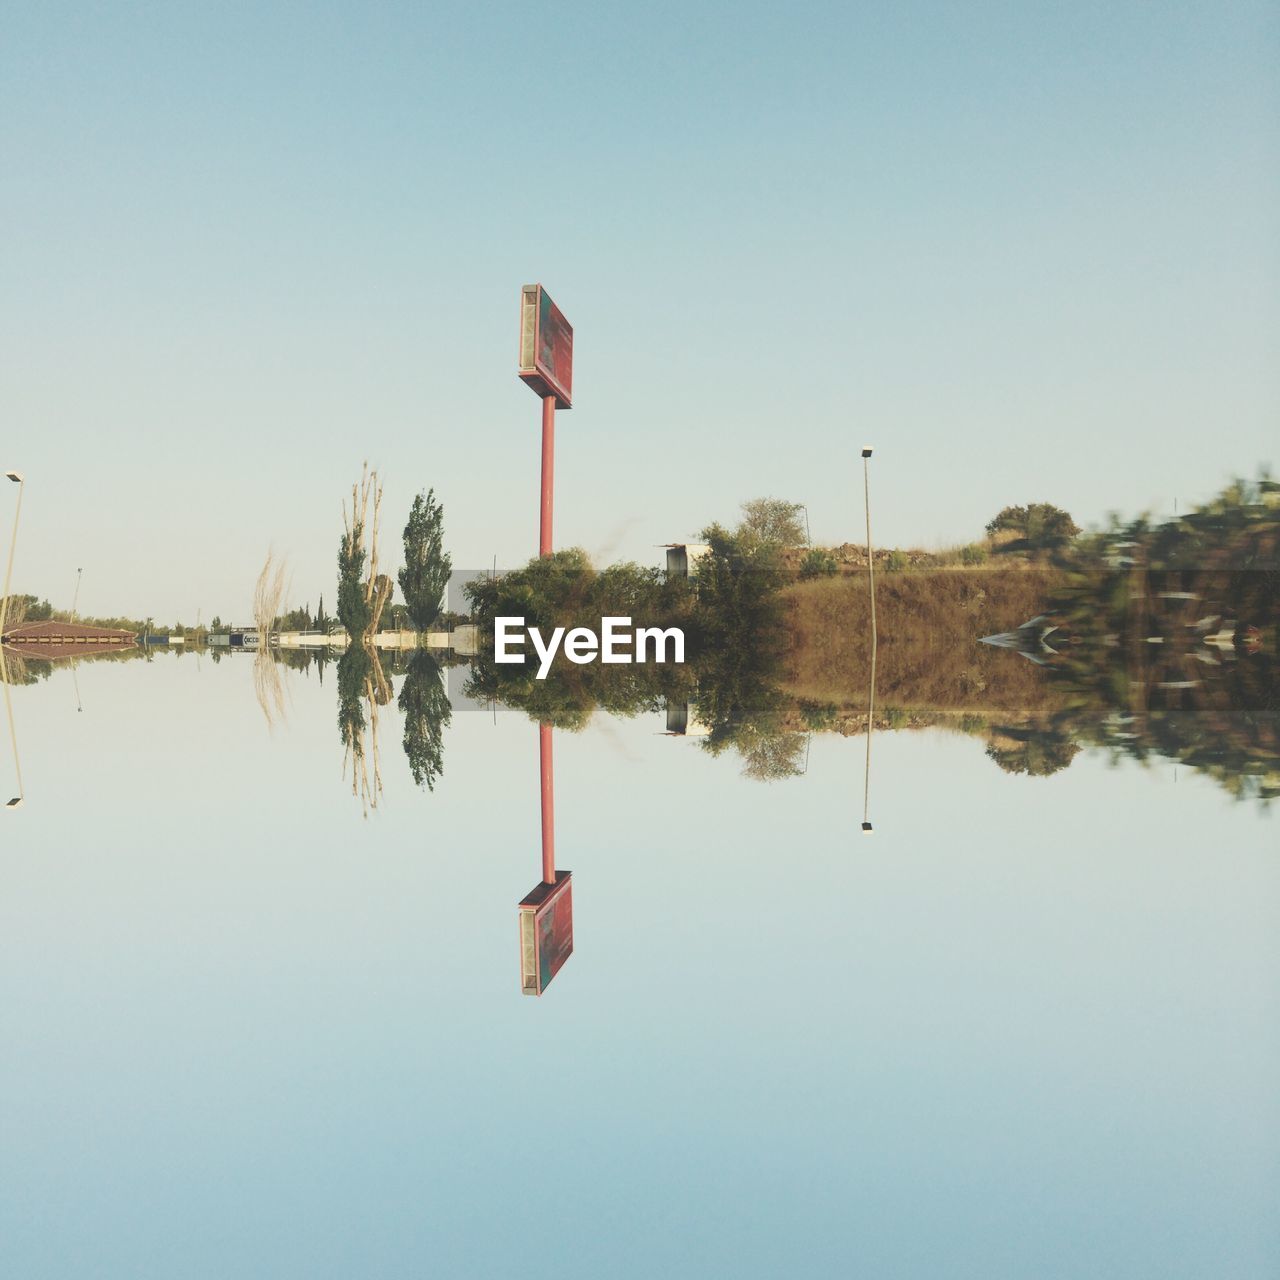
{"x": 546, "y": 765}
{"x": 548, "y": 474}
{"x": 546, "y": 367}
{"x": 547, "y": 770}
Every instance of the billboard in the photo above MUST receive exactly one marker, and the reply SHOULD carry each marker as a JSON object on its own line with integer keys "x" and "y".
{"x": 546, "y": 346}
{"x": 546, "y": 933}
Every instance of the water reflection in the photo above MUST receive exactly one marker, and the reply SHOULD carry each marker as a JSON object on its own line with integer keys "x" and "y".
{"x": 30, "y": 654}
{"x": 363, "y": 689}
{"x": 424, "y": 702}
{"x": 546, "y": 911}
{"x": 17, "y": 800}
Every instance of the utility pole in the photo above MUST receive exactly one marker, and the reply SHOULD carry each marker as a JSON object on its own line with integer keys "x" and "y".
{"x": 17, "y": 478}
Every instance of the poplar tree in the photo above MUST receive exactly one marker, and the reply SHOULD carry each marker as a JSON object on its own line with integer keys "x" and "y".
{"x": 426, "y": 564}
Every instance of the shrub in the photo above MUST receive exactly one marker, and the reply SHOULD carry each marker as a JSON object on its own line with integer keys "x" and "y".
{"x": 818, "y": 564}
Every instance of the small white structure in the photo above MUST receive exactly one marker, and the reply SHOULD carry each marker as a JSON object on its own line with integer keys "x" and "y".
{"x": 312, "y": 640}
{"x": 683, "y": 721}
{"x": 683, "y": 557}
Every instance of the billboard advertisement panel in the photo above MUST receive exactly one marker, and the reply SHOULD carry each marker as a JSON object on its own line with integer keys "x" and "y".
{"x": 546, "y": 346}
{"x": 546, "y": 933}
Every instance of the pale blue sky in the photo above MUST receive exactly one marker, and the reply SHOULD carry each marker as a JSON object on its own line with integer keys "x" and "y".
{"x": 1027, "y": 1030}
{"x": 1028, "y": 251}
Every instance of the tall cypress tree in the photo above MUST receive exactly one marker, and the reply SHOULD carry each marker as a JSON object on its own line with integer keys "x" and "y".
{"x": 426, "y": 564}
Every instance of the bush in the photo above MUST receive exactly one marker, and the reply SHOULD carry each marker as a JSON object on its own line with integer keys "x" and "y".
{"x": 974, "y": 553}
{"x": 818, "y": 716}
{"x": 896, "y": 561}
{"x": 1038, "y": 526}
{"x": 818, "y": 564}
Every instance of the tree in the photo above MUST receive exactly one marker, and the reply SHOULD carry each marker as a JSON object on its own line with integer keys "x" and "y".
{"x": 1038, "y": 526}
{"x": 772, "y": 521}
{"x": 426, "y": 565}
{"x": 353, "y": 608}
{"x": 426, "y": 714}
{"x": 361, "y": 600}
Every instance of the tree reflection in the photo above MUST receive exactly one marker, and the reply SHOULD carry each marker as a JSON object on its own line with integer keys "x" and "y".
{"x": 362, "y": 690}
{"x": 425, "y": 704}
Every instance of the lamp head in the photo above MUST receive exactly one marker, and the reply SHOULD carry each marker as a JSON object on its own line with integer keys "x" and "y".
{"x": 15, "y": 476}
{"x": 15, "y": 803}
{"x": 866, "y": 829}
{"x": 866, "y": 451}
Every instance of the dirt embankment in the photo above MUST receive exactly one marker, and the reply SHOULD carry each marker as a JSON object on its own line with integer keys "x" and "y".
{"x": 928, "y": 656}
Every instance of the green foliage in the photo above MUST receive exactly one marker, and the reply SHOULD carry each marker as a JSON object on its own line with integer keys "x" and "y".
{"x": 818, "y": 564}
{"x": 731, "y": 616}
{"x": 30, "y": 608}
{"x": 1036, "y": 754}
{"x": 27, "y": 608}
{"x": 354, "y": 611}
{"x": 895, "y": 561}
{"x": 1038, "y": 526}
{"x": 355, "y": 669}
{"x": 426, "y": 565}
{"x": 427, "y": 713}
{"x": 771, "y": 522}
{"x": 294, "y": 620}
{"x": 563, "y": 590}
{"x": 819, "y": 716}
{"x": 973, "y": 554}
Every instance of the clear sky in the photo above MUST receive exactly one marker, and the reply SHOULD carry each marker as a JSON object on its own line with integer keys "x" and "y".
{"x": 1030, "y": 252}
{"x": 1026, "y": 1031}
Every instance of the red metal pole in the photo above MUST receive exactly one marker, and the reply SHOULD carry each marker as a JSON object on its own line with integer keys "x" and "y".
{"x": 548, "y": 804}
{"x": 548, "y": 473}
{"x": 546, "y": 765}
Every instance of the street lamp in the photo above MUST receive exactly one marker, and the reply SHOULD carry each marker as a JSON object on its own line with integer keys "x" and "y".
{"x": 871, "y": 570}
{"x": 17, "y": 478}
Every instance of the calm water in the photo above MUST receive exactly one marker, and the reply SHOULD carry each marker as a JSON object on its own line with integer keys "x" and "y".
{"x": 1029, "y": 1028}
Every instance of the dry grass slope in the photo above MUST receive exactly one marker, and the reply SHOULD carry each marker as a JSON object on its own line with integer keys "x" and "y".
{"x": 928, "y": 655}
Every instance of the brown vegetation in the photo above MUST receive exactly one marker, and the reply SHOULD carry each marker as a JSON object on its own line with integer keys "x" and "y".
{"x": 928, "y": 654}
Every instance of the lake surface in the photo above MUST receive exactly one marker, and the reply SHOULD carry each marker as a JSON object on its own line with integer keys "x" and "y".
{"x": 1030, "y": 1027}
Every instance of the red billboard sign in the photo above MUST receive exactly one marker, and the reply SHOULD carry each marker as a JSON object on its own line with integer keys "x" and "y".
{"x": 546, "y": 346}
{"x": 546, "y": 933}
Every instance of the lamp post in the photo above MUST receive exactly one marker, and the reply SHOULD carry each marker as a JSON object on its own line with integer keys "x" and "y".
{"x": 871, "y": 695}
{"x": 75, "y": 600}
{"x": 871, "y": 568}
{"x": 17, "y": 478}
